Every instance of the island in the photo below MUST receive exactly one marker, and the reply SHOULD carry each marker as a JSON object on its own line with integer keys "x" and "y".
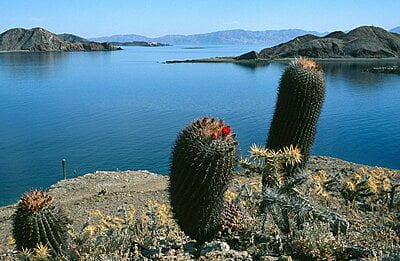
{"x": 40, "y": 40}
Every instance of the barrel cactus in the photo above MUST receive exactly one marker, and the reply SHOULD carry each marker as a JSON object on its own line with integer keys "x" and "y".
{"x": 300, "y": 98}
{"x": 38, "y": 221}
{"x": 203, "y": 158}
{"x": 234, "y": 217}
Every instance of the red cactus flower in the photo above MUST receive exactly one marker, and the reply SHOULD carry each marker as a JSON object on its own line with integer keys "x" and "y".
{"x": 226, "y": 130}
{"x": 214, "y": 135}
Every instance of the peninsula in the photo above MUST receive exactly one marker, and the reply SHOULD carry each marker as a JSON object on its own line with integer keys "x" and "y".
{"x": 41, "y": 40}
{"x": 363, "y": 42}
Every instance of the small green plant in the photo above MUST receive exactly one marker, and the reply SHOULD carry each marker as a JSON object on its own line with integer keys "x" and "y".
{"x": 38, "y": 222}
{"x": 375, "y": 186}
{"x": 270, "y": 164}
{"x": 320, "y": 183}
{"x": 203, "y": 159}
{"x": 281, "y": 196}
{"x": 315, "y": 242}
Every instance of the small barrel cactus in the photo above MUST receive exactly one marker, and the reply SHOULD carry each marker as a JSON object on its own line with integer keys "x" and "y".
{"x": 203, "y": 158}
{"x": 300, "y": 98}
{"x": 38, "y": 221}
{"x": 234, "y": 217}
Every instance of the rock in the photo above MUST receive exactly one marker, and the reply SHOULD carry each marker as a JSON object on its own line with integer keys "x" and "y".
{"x": 252, "y": 55}
{"x": 190, "y": 247}
{"x": 214, "y": 246}
{"x": 227, "y": 255}
{"x": 357, "y": 252}
{"x": 384, "y": 69}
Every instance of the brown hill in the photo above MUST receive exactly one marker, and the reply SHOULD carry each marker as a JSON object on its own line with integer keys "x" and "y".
{"x": 41, "y": 40}
{"x": 362, "y": 42}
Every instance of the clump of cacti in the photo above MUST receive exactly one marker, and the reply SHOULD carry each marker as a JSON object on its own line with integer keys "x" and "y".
{"x": 38, "y": 221}
{"x": 270, "y": 164}
{"x": 203, "y": 158}
{"x": 300, "y": 98}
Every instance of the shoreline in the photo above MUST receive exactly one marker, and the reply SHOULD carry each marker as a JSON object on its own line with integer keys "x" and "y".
{"x": 60, "y": 51}
{"x": 233, "y": 59}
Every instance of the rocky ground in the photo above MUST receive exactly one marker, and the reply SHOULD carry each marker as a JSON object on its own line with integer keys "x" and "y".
{"x": 103, "y": 190}
{"x": 109, "y": 191}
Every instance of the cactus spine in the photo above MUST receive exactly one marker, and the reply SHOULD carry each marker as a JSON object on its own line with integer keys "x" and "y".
{"x": 300, "y": 98}
{"x": 37, "y": 220}
{"x": 203, "y": 158}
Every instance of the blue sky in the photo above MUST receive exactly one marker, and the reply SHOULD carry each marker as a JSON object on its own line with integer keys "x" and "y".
{"x": 91, "y": 18}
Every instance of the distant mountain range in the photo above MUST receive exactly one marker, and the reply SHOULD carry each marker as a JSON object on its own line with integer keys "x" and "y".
{"x": 41, "y": 40}
{"x": 237, "y": 37}
{"x": 396, "y": 30}
{"x": 139, "y": 43}
{"x": 362, "y": 42}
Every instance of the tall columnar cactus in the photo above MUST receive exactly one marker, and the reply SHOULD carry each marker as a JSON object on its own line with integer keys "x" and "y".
{"x": 203, "y": 158}
{"x": 37, "y": 220}
{"x": 300, "y": 98}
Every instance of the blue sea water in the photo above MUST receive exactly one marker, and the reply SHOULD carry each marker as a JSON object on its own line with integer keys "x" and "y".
{"x": 123, "y": 109}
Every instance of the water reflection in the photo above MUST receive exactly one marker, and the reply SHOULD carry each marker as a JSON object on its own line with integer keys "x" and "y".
{"x": 15, "y": 64}
{"x": 253, "y": 65}
{"x": 31, "y": 58}
{"x": 354, "y": 72}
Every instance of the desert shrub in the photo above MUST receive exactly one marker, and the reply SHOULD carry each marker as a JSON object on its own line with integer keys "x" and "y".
{"x": 315, "y": 242}
{"x": 131, "y": 235}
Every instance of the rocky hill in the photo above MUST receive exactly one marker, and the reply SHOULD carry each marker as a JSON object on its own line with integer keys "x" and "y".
{"x": 72, "y": 38}
{"x": 395, "y": 30}
{"x": 41, "y": 40}
{"x": 362, "y": 42}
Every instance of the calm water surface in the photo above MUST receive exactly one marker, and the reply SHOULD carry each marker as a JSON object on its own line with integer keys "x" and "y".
{"x": 123, "y": 109}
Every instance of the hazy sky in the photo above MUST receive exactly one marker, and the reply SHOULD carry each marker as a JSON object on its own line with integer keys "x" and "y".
{"x": 90, "y": 18}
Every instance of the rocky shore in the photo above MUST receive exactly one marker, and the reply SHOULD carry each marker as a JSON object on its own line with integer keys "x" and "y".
{"x": 384, "y": 69}
{"x": 260, "y": 61}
